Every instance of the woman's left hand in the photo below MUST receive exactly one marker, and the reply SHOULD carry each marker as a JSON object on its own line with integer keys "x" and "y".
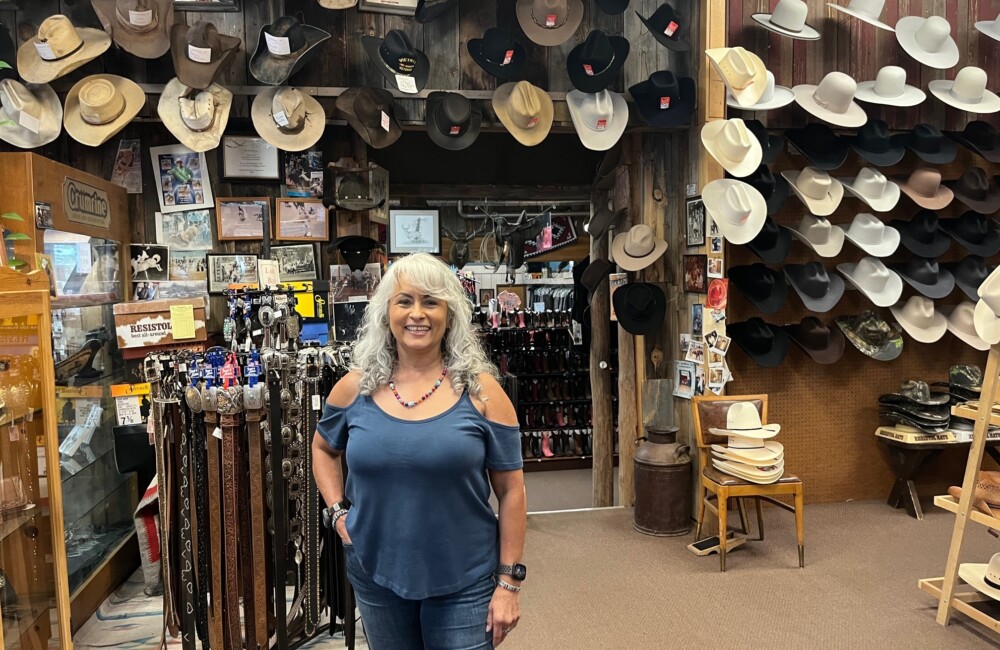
{"x": 505, "y": 612}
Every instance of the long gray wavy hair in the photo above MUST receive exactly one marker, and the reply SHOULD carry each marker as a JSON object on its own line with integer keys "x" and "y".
{"x": 375, "y": 354}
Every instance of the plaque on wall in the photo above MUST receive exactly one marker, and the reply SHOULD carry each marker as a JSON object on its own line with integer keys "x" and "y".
{"x": 247, "y": 157}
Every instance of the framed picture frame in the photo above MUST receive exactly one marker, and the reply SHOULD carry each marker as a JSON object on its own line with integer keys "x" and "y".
{"x": 191, "y": 230}
{"x": 304, "y": 173}
{"x": 695, "y": 222}
{"x": 301, "y": 220}
{"x": 486, "y": 295}
{"x": 296, "y": 262}
{"x": 249, "y": 158}
{"x": 149, "y": 262}
{"x": 397, "y": 7}
{"x": 206, "y": 5}
{"x": 225, "y": 269}
{"x": 182, "y": 179}
{"x": 695, "y": 273}
{"x": 242, "y": 218}
{"x": 414, "y": 231}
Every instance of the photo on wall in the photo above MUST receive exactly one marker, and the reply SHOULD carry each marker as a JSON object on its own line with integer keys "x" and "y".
{"x": 149, "y": 262}
{"x": 182, "y": 179}
{"x": 186, "y": 266}
{"x": 695, "y": 222}
{"x": 353, "y": 286}
{"x": 695, "y": 280}
{"x": 347, "y": 317}
{"x": 191, "y": 230}
{"x": 242, "y": 218}
{"x": 296, "y": 262}
{"x": 224, "y": 270}
{"x": 414, "y": 231}
{"x": 304, "y": 174}
{"x": 302, "y": 220}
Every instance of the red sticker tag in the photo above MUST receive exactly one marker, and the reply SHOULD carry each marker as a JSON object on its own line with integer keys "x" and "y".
{"x": 602, "y": 124}
{"x": 671, "y": 28}
{"x": 455, "y": 130}
{"x": 588, "y": 69}
{"x": 664, "y": 103}
{"x": 508, "y": 57}
{"x": 550, "y": 20}
{"x": 532, "y": 122}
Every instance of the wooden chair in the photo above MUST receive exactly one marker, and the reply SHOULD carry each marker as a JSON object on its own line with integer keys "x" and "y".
{"x": 713, "y": 485}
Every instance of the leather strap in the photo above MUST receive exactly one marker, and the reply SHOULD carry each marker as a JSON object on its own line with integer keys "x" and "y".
{"x": 254, "y": 397}
{"x": 246, "y": 561}
{"x": 279, "y": 508}
{"x": 216, "y": 637}
{"x": 181, "y": 514}
{"x": 200, "y": 471}
{"x": 230, "y": 529}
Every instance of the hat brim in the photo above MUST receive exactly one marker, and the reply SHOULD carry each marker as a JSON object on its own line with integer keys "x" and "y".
{"x": 675, "y": 44}
{"x": 421, "y": 71}
{"x": 941, "y": 198}
{"x": 987, "y": 323}
{"x": 591, "y": 138}
{"x": 267, "y": 128}
{"x": 145, "y": 45}
{"x": 749, "y": 96}
{"x": 854, "y": 116}
{"x": 819, "y": 207}
{"x": 680, "y": 111}
{"x": 631, "y": 322}
{"x": 975, "y": 576}
{"x": 831, "y": 248}
{"x": 988, "y": 247}
{"x": 880, "y": 204}
{"x": 833, "y": 351}
{"x": 630, "y": 263}
{"x": 920, "y": 333}
{"x": 503, "y": 72}
{"x": 906, "y": 33}
{"x": 936, "y": 248}
{"x": 988, "y": 28}
{"x": 759, "y": 478}
{"x": 992, "y": 155}
{"x": 742, "y": 233}
{"x": 776, "y": 253}
{"x": 943, "y": 286}
{"x": 762, "y": 432}
{"x": 527, "y": 137}
{"x": 772, "y": 451}
{"x": 972, "y": 340}
{"x": 275, "y": 71}
{"x": 911, "y": 95}
{"x": 191, "y": 73}
{"x": 770, "y": 359}
{"x": 807, "y": 33}
{"x": 881, "y": 158}
{"x": 436, "y": 131}
{"x": 888, "y": 351}
{"x": 169, "y": 110}
{"x": 738, "y": 168}
{"x": 598, "y": 82}
{"x": 94, "y": 135}
{"x": 989, "y": 205}
{"x": 373, "y": 135}
{"x": 861, "y": 16}
{"x": 827, "y": 159}
{"x": 50, "y": 122}
{"x": 549, "y": 36}
{"x": 889, "y": 295}
{"x": 34, "y": 69}
{"x": 740, "y": 276}
{"x": 941, "y": 88}
{"x": 885, "y": 248}
{"x": 780, "y": 97}
{"x": 823, "y": 304}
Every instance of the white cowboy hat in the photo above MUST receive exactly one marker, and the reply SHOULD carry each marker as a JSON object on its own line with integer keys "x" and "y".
{"x": 732, "y": 145}
{"x": 987, "y": 314}
{"x": 984, "y": 578}
{"x": 59, "y": 48}
{"x": 990, "y": 27}
{"x": 197, "y": 120}
{"x": 962, "y": 323}
{"x": 288, "y": 118}
{"x": 773, "y": 97}
{"x": 637, "y": 248}
{"x": 872, "y": 187}
{"x": 99, "y": 106}
{"x": 788, "y": 19}
{"x": 868, "y": 233}
{"x": 819, "y": 234}
{"x": 738, "y": 209}
{"x": 35, "y": 111}
{"x": 832, "y": 100}
{"x": 967, "y": 91}
{"x": 599, "y": 118}
{"x": 762, "y": 474}
{"x": 871, "y": 277}
{"x": 928, "y": 40}
{"x": 820, "y": 192}
{"x": 743, "y": 419}
{"x": 920, "y": 320}
{"x": 743, "y": 73}
{"x": 750, "y": 450}
{"x": 889, "y": 88}
{"x": 866, "y": 10}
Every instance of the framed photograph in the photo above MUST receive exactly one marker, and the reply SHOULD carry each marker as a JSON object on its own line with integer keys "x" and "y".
{"x": 190, "y": 230}
{"x": 304, "y": 174}
{"x": 486, "y": 295}
{"x": 347, "y": 317}
{"x": 296, "y": 262}
{"x": 206, "y": 5}
{"x": 43, "y": 215}
{"x": 148, "y": 262}
{"x": 696, "y": 352}
{"x": 414, "y": 231}
{"x": 683, "y": 379}
{"x": 227, "y": 269}
{"x": 715, "y": 267}
{"x": 397, "y": 7}
{"x": 142, "y": 291}
{"x": 697, "y": 319}
{"x": 695, "y": 222}
{"x": 354, "y": 286}
{"x": 249, "y": 158}
{"x": 242, "y": 218}
{"x": 713, "y": 229}
{"x": 715, "y": 245}
{"x": 187, "y": 266}
{"x": 695, "y": 280}
{"x": 301, "y": 220}
{"x": 182, "y": 179}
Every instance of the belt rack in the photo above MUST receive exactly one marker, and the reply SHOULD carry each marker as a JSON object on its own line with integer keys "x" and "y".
{"x": 240, "y": 512}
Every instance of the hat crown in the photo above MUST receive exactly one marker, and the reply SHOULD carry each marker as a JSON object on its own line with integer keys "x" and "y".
{"x": 456, "y": 108}
{"x": 835, "y": 92}
{"x": 871, "y": 274}
{"x": 816, "y": 229}
{"x": 597, "y": 50}
{"x": 972, "y": 226}
{"x": 974, "y": 182}
{"x": 137, "y": 15}
{"x": 16, "y": 99}
{"x": 992, "y": 575}
{"x": 198, "y": 113}
{"x": 737, "y": 67}
{"x": 288, "y": 102}
{"x": 736, "y": 205}
{"x": 641, "y": 299}
{"x": 962, "y": 317}
{"x": 100, "y": 101}
{"x": 814, "y": 281}
{"x": 790, "y": 15}
{"x": 743, "y": 416}
{"x": 816, "y": 137}
{"x": 664, "y": 84}
{"x": 814, "y": 333}
{"x": 924, "y": 226}
{"x": 498, "y": 38}
{"x": 768, "y": 235}
{"x": 768, "y": 88}
{"x": 814, "y": 183}
{"x": 525, "y": 105}
{"x": 639, "y": 241}
{"x": 874, "y": 136}
{"x": 915, "y": 389}
{"x": 758, "y": 338}
{"x": 925, "y": 181}
{"x": 870, "y": 8}
{"x": 890, "y": 81}
{"x": 764, "y": 182}
{"x": 969, "y": 85}
{"x": 735, "y": 141}
{"x": 60, "y": 35}
{"x": 980, "y": 133}
{"x": 541, "y": 10}
{"x": 867, "y": 229}
{"x": 933, "y": 34}
{"x": 922, "y": 269}
{"x": 925, "y": 139}
{"x": 968, "y": 376}
{"x": 871, "y": 329}
{"x": 398, "y": 52}
{"x": 205, "y": 35}
{"x": 288, "y": 27}
{"x": 919, "y": 310}
{"x": 870, "y": 182}
{"x": 972, "y": 269}
{"x": 760, "y": 280}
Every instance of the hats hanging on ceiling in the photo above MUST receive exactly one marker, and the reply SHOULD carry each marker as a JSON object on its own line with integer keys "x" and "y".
{"x": 371, "y": 112}
{"x": 921, "y": 235}
{"x": 928, "y": 40}
{"x": 355, "y": 250}
{"x": 668, "y": 27}
{"x": 665, "y": 100}
{"x": 99, "y": 106}
{"x": 283, "y": 48}
{"x": 818, "y": 290}
{"x": 732, "y": 145}
{"x": 865, "y": 10}
{"x": 764, "y": 343}
{"x": 640, "y": 307}
{"x": 197, "y": 118}
{"x": 772, "y": 243}
{"x": 816, "y": 189}
{"x": 139, "y": 27}
{"x": 871, "y": 277}
{"x": 526, "y": 110}
{"x": 774, "y": 96}
{"x": 788, "y": 19}
{"x": 430, "y": 10}
{"x": 36, "y": 113}
{"x": 599, "y": 118}
{"x": 736, "y": 208}
{"x": 499, "y": 53}
{"x": 637, "y": 248}
{"x": 924, "y": 187}
{"x": 820, "y": 235}
{"x": 872, "y": 187}
{"x": 593, "y": 64}
{"x": 402, "y": 64}
{"x": 872, "y": 236}
{"x": 920, "y": 319}
{"x": 979, "y": 137}
{"x": 967, "y": 91}
{"x": 873, "y": 143}
{"x": 764, "y": 287}
{"x": 969, "y": 273}
{"x": 773, "y": 188}
{"x": 822, "y": 343}
{"x": 961, "y": 323}
{"x": 926, "y": 276}
{"x": 890, "y": 89}
{"x": 58, "y": 48}
{"x": 832, "y": 100}
{"x": 741, "y": 71}
{"x": 973, "y": 231}
{"x": 200, "y": 53}
{"x": 818, "y": 143}
{"x": 549, "y": 22}
{"x": 453, "y": 121}
{"x": 288, "y": 118}
{"x": 872, "y": 336}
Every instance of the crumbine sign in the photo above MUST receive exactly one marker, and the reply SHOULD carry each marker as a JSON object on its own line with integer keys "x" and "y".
{"x": 86, "y": 204}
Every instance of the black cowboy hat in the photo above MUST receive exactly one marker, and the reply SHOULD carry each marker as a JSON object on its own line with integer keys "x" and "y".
{"x": 926, "y": 276}
{"x": 364, "y": 109}
{"x": 818, "y": 143}
{"x": 873, "y": 143}
{"x": 979, "y": 137}
{"x": 612, "y": 7}
{"x": 772, "y": 243}
{"x": 640, "y": 307}
{"x": 969, "y": 273}
{"x": 973, "y": 231}
{"x": 819, "y": 291}
{"x": 771, "y": 144}
{"x": 665, "y": 100}
{"x": 668, "y": 28}
{"x": 766, "y": 344}
{"x": 355, "y": 249}
{"x": 453, "y": 121}
{"x": 398, "y": 60}
{"x": 283, "y": 48}
{"x": 824, "y": 344}
{"x": 773, "y": 188}
{"x": 921, "y": 234}
{"x": 765, "y": 288}
{"x": 595, "y": 273}
{"x": 597, "y": 226}
{"x": 929, "y": 144}
{"x": 974, "y": 189}
{"x": 593, "y": 64}
{"x": 431, "y": 10}
{"x": 499, "y": 53}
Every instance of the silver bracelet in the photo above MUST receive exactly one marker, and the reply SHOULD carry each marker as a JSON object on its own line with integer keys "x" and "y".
{"x": 506, "y": 585}
{"x": 337, "y": 515}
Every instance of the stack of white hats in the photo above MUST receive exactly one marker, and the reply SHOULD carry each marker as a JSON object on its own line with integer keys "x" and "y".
{"x": 749, "y": 454}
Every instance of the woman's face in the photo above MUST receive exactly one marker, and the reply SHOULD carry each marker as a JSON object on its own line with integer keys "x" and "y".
{"x": 417, "y": 321}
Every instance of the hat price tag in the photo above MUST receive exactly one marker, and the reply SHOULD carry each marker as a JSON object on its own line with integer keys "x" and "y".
{"x": 602, "y": 124}
{"x": 550, "y": 20}
{"x": 29, "y": 121}
{"x": 277, "y": 45}
{"x": 385, "y": 122}
{"x": 280, "y": 118}
{"x": 671, "y": 29}
{"x": 455, "y": 130}
{"x": 140, "y": 18}
{"x": 200, "y": 54}
{"x": 508, "y": 57}
{"x": 406, "y": 83}
{"x": 664, "y": 103}
{"x": 532, "y": 122}
{"x": 45, "y": 51}
{"x": 589, "y": 69}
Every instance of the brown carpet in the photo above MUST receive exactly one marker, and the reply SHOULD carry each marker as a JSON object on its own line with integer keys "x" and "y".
{"x": 595, "y": 583}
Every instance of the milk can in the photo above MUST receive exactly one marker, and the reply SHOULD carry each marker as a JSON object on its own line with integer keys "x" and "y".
{"x": 662, "y": 484}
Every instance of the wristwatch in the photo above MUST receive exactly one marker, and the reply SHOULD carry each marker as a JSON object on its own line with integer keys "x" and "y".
{"x": 328, "y": 513}
{"x": 515, "y": 571}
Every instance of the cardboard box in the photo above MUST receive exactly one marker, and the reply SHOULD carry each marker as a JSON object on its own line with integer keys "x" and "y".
{"x": 145, "y": 324}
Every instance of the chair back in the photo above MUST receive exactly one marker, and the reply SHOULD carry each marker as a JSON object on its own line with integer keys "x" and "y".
{"x": 710, "y": 412}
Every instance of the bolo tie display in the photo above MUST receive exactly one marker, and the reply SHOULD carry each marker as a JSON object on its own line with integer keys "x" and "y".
{"x": 240, "y": 515}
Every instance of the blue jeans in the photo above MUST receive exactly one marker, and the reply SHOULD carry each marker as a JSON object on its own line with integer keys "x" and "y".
{"x": 452, "y": 622}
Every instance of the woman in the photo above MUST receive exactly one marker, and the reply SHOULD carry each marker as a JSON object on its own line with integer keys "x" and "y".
{"x": 427, "y": 430}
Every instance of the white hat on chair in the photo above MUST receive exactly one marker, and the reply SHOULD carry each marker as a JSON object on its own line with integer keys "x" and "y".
{"x": 967, "y": 91}
{"x": 732, "y": 145}
{"x": 987, "y": 314}
{"x": 928, "y": 40}
{"x": 890, "y": 88}
{"x": 743, "y": 419}
{"x": 750, "y": 450}
{"x": 990, "y": 27}
{"x": 788, "y": 19}
{"x": 866, "y": 10}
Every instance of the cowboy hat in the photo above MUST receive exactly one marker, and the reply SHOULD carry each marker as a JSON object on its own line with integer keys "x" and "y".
{"x": 593, "y": 64}
{"x": 760, "y": 474}
{"x": 773, "y": 188}
{"x": 774, "y": 96}
{"x": 371, "y": 112}
{"x": 288, "y": 118}
{"x": 926, "y": 276}
{"x": 979, "y": 137}
{"x": 873, "y": 143}
{"x": 637, "y": 248}
{"x": 928, "y": 40}
{"x": 640, "y": 307}
{"x": 973, "y": 231}
{"x": 818, "y": 290}
{"x": 732, "y": 145}
{"x": 612, "y": 7}
{"x": 743, "y": 73}
{"x": 743, "y": 420}
{"x": 987, "y": 314}
{"x": 772, "y": 243}
{"x": 354, "y": 194}
{"x": 355, "y": 250}
{"x": 498, "y": 52}
{"x": 395, "y": 56}
{"x": 816, "y": 189}
{"x": 970, "y": 272}
{"x": 137, "y": 26}
{"x": 594, "y": 275}
{"x": 736, "y": 208}
{"x": 283, "y": 48}
{"x": 667, "y": 27}
{"x": 35, "y": 111}
{"x": 929, "y": 144}
{"x": 920, "y": 319}
{"x": 822, "y": 343}
{"x": 873, "y": 188}
{"x": 871, "y": 277}
{"x": 984, "y": 578}
{"x": 99, "y": 106}
{"x": 868, "y": 233}
{"x": 866, "y": 10}
{"x": 764, "y": 343}
{"x": 598, "y": 224}
{"x": 525, "y": 110}
{"x": 974, "y": 189}
{"x": 819, "y": 234}
{"x": 599, "y": 118}
{"x": 961, "y": 323}
{"x": 989, "y": 27}
{"x": 665, "y": 100}
{"x": 549, "y": 22}
{"x": 453, "y": 121}
{"x": 200, "y": 53}
{"x": 832, "y": 100}
{"x": 741, "y": 449}
{"x": 196, "y": 118}
{"x": 819, "y": 144}
{"x": 924, "y": 187}
{"x": 430, "y": 10}
{"x": 967, "y": 91}
{"x": 889, "y": 88}
{"x": 59, "y": 48}
{"x": 872, "y": 336}
{"x": 765, "y": 288}
{"x": 788, "y": 19}
{"x": 921, "y": 235}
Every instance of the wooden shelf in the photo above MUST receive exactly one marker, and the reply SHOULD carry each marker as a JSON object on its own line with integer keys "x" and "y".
{"x": 963, "y": 411}
{"x": 29, "y": 612}
{"x": 7, "y": 419}
{"x": 949, "y": 503}
{"x": 962, "y": 601}
{"x": 12, "y": 523}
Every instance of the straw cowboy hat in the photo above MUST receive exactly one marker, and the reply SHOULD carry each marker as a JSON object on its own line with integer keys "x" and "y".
{"x": 967, "y": 91}
{"x": 961, "y": 323}
{"x": 736, "y": 208}
{"x": 749, "y": 450}
{"x": 288, "y": 118}
{"x": 599, "y": 118}
{"x": 989, "y": 27}
{"x": 788, "y": 19}
{"x": 816, "y": 189}
{"x": 743, "y": 73}
{"x": 139, "y": 27}
{"x": 866, "y": 10}
{"x": 920, "y": 319}
{"x": 35, "y": 111}
{"x": 761, "y": 474}
{"x": 928, "y": 40}
{"x": 818, "y": 290}
{"x": 99, "y": 106}
{"x": 822, "y": 343}
{"x": 525, "y": 110}
{"x": 985, "y": 578}
{"x": 731, "y": 144}
{"x": 987, "y": 314}
{"x": 889, "y": 88}
{"x": 832, "y": 100}
{"x": 868, "y": 233}
{"x": 637, "y": 248}
{"x": 826, "y": 239}
{"x": 200, "y": 53}
{"x": 774, "y": 96}
{"x": 59, "y": 48}
{"x": 871, "y": 277}
{"x": 549, "y": 22}
{"x": 197, "y": 118}
{"x": 872, "y": 187}
{"x": 283, "y": 48}
{"x": 924, "y": 187}
{"x": 371, "y": 112}
{"x": 743, "y": 420}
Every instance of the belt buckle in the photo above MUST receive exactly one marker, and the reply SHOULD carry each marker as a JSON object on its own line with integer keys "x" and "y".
{"x": 253, "y": 397}
{"x": 193, "y": 398}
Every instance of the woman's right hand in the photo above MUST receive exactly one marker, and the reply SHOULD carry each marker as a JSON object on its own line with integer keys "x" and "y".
{"x": 341, "y": 528}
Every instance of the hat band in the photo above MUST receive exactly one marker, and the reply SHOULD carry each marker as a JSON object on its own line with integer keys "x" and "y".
{"x": 97, "y": 120}
{"x": 125, "y": 24}
{"x": 987, "y": 580}
{"x": 594, "y": 73}
{"x": 964, "y": 98}
{"x": 544, "y": 24}
{"x": 60, "y": 58}
{"x": 289, "y": 130}
{"x": 502, "y": 62}
{"x": 638, "y": 257}
{"x": 827, "y": 104}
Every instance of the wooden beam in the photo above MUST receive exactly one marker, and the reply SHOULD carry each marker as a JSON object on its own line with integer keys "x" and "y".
{"x": 600, "y": 380}
{"x": 493, "y": 192}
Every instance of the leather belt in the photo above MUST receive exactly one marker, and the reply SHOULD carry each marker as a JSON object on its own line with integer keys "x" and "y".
{"x": 253, "y": 398}
{"x": 185, "y": 589}
{"x": 246, "y": 562}
{"x": 230, "y": 522}
{"x": 201, "y": 526}
{"x": 216, "y": 637}
{"x": 279, "y": 506}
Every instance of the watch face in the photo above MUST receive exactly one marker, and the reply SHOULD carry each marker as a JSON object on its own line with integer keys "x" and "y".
{"x": 520, "y": 572}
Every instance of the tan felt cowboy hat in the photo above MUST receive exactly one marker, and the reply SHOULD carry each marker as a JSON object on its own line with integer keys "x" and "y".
{"x": 200, "y": 53}
{"x": 549, "y": 22}
{"x": 288, "y": 118}
{"x": 816, "y": 189}
{"x": 283, "y": 48}
{"x": 197, "y": 118}
{"x": 525, "y": 110}
{"x": 920, "y": 320}
{"x": 637, "y": 248}
{"x": 732, "y": 145}
{"x": 139, "y": 27}
{"x": 743, "y": 73}
{"x": 924, "y": 187}
{"x": 832, "y": 100}
{"x": 35, "y": 111}
{"x": 59, "y": 48}
{"x": 99, "y": 106}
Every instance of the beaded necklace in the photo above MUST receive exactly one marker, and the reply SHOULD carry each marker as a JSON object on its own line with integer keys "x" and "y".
{"x": 409, "y": 405}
